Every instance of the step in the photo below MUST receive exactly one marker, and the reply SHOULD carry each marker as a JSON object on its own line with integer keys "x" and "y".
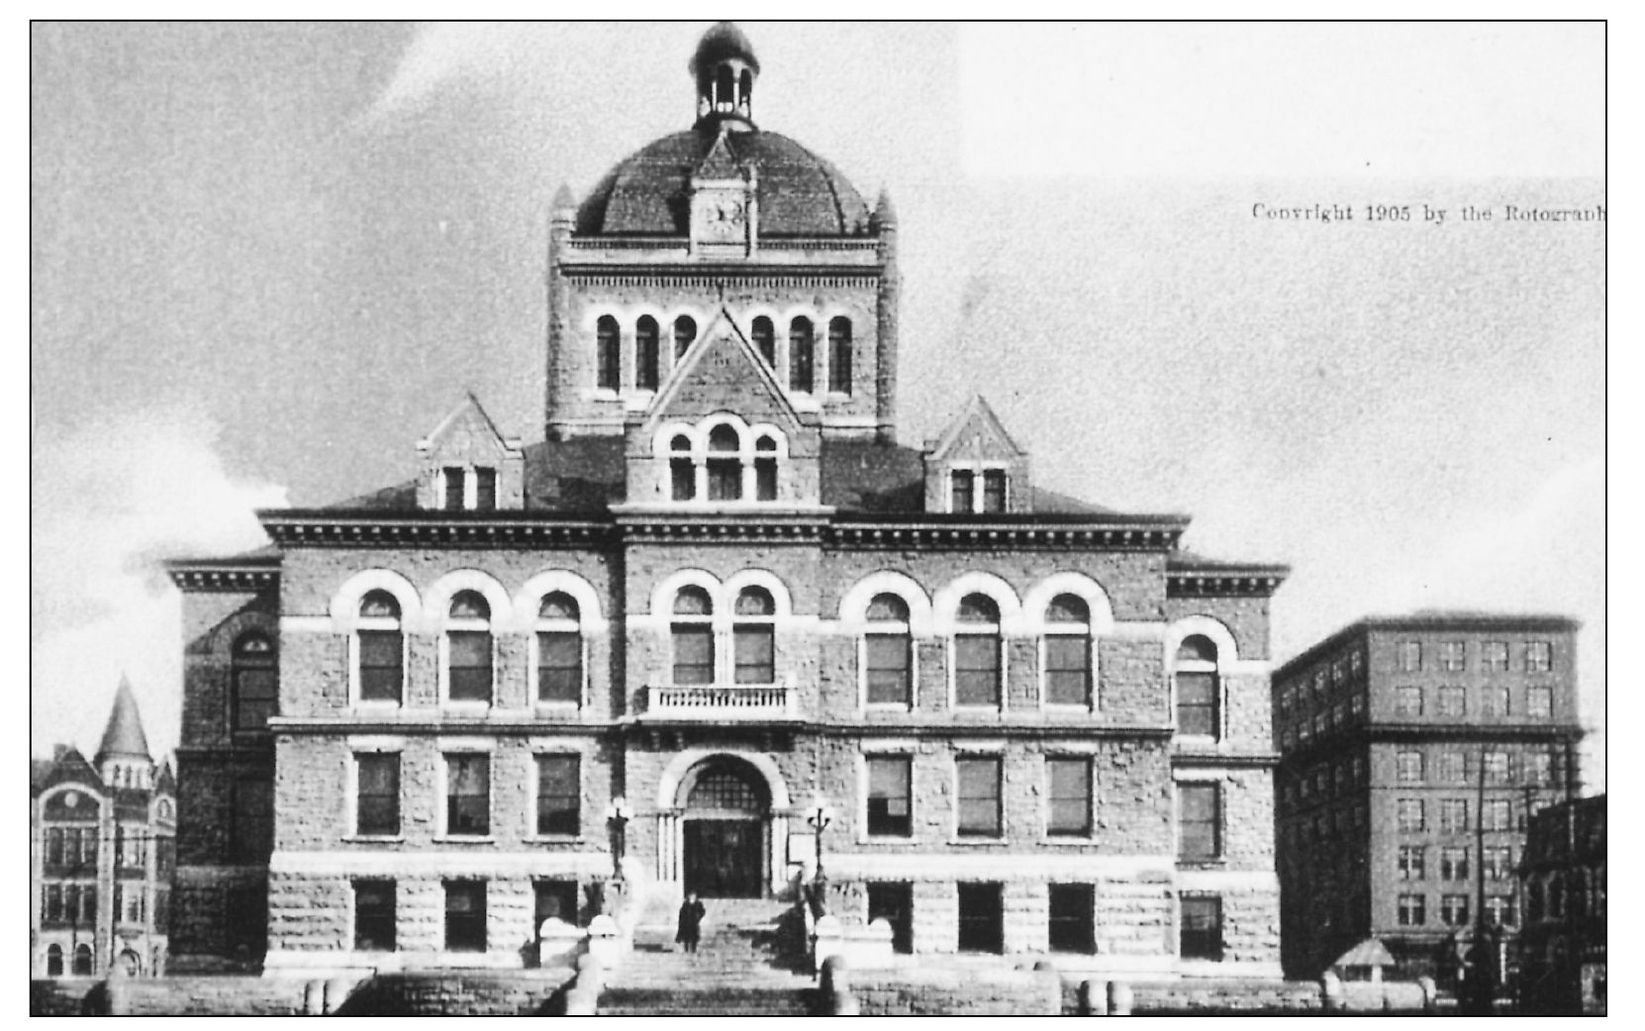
{"x": 713, "y": 1000}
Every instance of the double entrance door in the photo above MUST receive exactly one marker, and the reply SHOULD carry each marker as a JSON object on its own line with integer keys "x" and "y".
{"x": 723, "y": 858}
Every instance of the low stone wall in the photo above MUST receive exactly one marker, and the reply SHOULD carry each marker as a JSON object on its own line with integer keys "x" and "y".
{"x": 207, "y": 996}
{"x": 1251, "y": 997}
{"x": 963, "y": 992}
{"x": 64, "y": 996}
{"x": 468, "y": 993}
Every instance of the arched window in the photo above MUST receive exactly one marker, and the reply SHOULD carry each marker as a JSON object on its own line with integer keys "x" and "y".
{"x": 381, "y": 648}
{"x": 682, "y": 471}
{"x": 468, "y": 648}
{"x": 753, "y": 637}
{"x": 559, "y": 650}
{"x": 765, "y": 340}
{"x": 646, "y": 356}
{"x": 1067, "y": 651}
{"x": 977, "y": 652}
{"x": 607, "y": 360}
{"x": 54, "y": 961}
{"x": 685, "y": 331}
{"x": 725, "y": 469}
{"x": 839, "y": 354}
{"x": 256, "y": 683}
{"x": 765, "y": 469}
{"x": 801, "y": 359}
{"x": 745, "y": 96}
{"x": 1197, "y": 691}
{"x": 82, "y": 960}
{"x": 724, "y": 85}
{"x": 888, "y": 653}
{"x": 693, "y": 634}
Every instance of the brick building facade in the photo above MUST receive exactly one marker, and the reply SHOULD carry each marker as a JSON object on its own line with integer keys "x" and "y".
{"x": 101, "y": 854}
{"x": 1413, "y": 749}
{"x": 717, "y": 606}
{"x": 1563, "y": 942}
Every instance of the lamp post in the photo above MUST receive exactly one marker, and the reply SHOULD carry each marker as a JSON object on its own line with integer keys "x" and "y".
{"x": 617, "y": 815}
{"x": 820, "y": 816}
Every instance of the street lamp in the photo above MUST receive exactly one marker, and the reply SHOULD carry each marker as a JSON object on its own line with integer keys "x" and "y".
{"x": 617, "y": 815}
{"x": 819, "y": 819}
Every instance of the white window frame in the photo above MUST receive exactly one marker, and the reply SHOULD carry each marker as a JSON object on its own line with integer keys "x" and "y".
{"x": 1090, "y": 834}
{"x": 888, "y": 628}
{"x": 907, "y": 751}
{"x": 538, "y": 753}
{"x": 996, "y": 753}
{"x": 351, "y": 788}
{"x": 447, "y": 749}
{"x": 448, "y": 625}
{"x": 953, "y": 669}
{"x": 1049, "y": 630}
{"x": 976, "y": 469}
{"x": 534, "y": 655}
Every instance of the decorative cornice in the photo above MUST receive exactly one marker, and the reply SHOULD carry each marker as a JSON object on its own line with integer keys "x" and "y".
{"x": 709, "y": 276}
{"x": 685, "y": 527}
{"x": 1225, "y": 582}
{"x": 365, "y": 530}
{"x": 434, "y": 722}
{"x": 226, "y": 576}
{"x": 1219, "y": 759}
{"x": 1140, "y": 535}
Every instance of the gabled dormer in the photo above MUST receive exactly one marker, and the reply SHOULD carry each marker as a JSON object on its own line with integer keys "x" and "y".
{"x": 722, "y": 433}
{"x": 975, "y": 466}
{"x": 467, "y": 465}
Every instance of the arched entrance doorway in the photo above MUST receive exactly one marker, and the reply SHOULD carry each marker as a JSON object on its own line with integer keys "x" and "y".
{"x": 725, "y": 827}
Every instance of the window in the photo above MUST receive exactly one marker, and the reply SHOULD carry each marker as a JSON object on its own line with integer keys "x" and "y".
{"x": 753, "y": 641}
{"x": 1539, "y": 702}
{"x": 1498, "y": 863}
{"x": 1201, "y": 935}
{"x": 1453, "y": 768}
{"x": 1453, "y": 656}
{"x": 468, "y": 795}
{"x": 1538, "y": 767}
{"x": 765, "y": 469}
{"x": 1500, "y": 910}
{"x": 765, "y": 340}
{"x": 1453, "y": 909}
{"x": 381, "y": 648}
{"x": 465, "y": 916}
{"x": 1199, "y": 821}
{"x": 1068, "y": 782}
{"x": 962, "y": 490}
{"x": 979, "y": 796}
{"x": 839, "y": 355}
{"x": 451, "y": 477}
{"x": 468, "y": 648}
{"x": 981, "y": 918}
{"x": 1196, "y": 683}
{"x": 1493, "y": 656}
{"x": 725, "y": 469}
{"x": 1067, "y": 651}
{"x": 251, "y": 822}
{"x": 1071, "y": 923}
{"x": 685, "y": 331}
{"x": 51, "y": 904}
{"x": 977, "y": 652}
{"x": 1496, "y": 767}
{"x": 559, "y": 794}
{"x": 1453, "y": 702}
{"x": 1496, "y": 814}
{"x": 693, "y": 637}
{"x": 682, "y": 471}
{"x": 377, "y": 793}
{"x": 554, "y": 900}
{"x": 1409, "y": 656}
{"x": 1453, "y": 815}
{"x": 993, "y": 490}
{"x": 1413, "y": 863}
{"x": 1453, "y": 864}
{"x": 54, "y": 961}
{"x": 559, "y": 650}
{"x": 1359, "y": 769}
{"x": 256, "y": 683}
{"x": 1413, "y": 910}
{"x": 1539, "y": 657}
{"x": 1319, "y": 684}
{"x": 1493, "y": 701}
{"x": 888, "y": 653}
{"x": 1409, "y": 766}
{"x": 1408, "y": 701}
{"x": 82, "y": 960}
{"x": 374, "y": 916}
{"x": 890, "y": 796}
{"x": 607, "y": 362}
{"x": 485, "y": 489}
{"x": 646, "y": 356}
{"x": 1411, "y": 816}
{"x": 801, "y": 359}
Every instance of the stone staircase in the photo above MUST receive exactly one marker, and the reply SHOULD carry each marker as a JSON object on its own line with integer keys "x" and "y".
{"x": 747, "y": 963}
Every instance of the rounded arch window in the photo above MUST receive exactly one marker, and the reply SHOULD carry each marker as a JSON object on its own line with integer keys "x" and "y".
{"x": 682, "y": 469}
{"x": 54, "y": 961}
{"x": 380, "y": 647}
{"x": 723, "y": 438}
{"x": 764, "y": 335}
{"x": 693, "y": 636}
{"x": 888, "y": 653}
{"x": 468, "y": 648}
{"x": 978, "y": 608}
{"x": 1068, "y": 651}
{"x": 839, "y": 355}
{"x": 1197, "y": 648}
{"x": 754, "y": 637}
{"x": 559, "y": 643}
{"x": 1197, "y": 689}
{"x": 82, "y": 960}
{"x": 607, "y": 361}
{"x": 726, "y": 788}
{"x": 647, "y": 360}
{"x": 685, "y": 331}
{"x": 801, "y": 355}
{"x": 725, "y": 467}
{"x": 255, "y": 689}
{"x": 978, "y": 652}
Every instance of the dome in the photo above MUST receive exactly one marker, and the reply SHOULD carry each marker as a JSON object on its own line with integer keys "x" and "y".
{"x": 720, "y": 42}
{"x": 648, "y": 192}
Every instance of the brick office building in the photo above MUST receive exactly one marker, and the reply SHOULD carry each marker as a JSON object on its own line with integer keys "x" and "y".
{"x": 720, "y": 591}
{"x": 101, "y": 854}
{"x": 1563, "y": 942}
{"x": 1386, "y": 729}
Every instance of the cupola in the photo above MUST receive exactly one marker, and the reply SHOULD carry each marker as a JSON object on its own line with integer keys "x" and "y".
{"x": 725, "y": 68}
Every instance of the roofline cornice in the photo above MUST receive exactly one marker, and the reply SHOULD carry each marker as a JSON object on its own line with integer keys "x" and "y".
{"x": 227, "y": 575}
{"x": 1432, "y": 622}
{"x": 1228, "y": 581}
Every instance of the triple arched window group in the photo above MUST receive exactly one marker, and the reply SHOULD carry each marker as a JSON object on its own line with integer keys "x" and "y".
{"x": 728, "y": 464}
{"x": 649, "y": 337}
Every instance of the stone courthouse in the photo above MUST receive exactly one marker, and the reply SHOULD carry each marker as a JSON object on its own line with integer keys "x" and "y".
{"x": 719, "y": 628}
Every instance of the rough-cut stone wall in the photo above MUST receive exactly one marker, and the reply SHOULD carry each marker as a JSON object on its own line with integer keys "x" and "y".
{"x": 959, "y": 992}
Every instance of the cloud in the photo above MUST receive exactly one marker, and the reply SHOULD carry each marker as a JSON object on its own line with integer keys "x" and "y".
{"x": 446, "y": 52}
{"x": 109, "y": 502}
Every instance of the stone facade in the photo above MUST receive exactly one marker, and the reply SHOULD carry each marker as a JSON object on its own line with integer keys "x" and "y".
{"x": 727, "y": 607}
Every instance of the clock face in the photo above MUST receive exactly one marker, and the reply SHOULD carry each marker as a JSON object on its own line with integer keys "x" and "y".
{"x": 723, "y": 217}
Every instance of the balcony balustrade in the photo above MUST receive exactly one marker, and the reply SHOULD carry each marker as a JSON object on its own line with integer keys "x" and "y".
{"x": 722, "y": 701}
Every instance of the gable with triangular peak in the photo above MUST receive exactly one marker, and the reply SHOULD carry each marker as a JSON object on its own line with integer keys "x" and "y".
{"x": 722, "y": 372}
{"x": 975, "y": 467}
{"x": 468, "y": 464}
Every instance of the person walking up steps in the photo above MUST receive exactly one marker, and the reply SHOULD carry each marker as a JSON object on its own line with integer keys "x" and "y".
{"x": 692, "y": 912}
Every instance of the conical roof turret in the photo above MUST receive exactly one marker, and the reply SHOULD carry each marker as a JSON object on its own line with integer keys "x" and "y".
{"x": 123, "y": 738}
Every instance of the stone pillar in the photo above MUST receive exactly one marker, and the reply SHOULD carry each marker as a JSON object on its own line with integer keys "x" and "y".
{"x": 779, "y": 852}
{"x": 1093, "y": 999}
{"x": 1119, "y": 999}
{"x": 1330, "y": 992}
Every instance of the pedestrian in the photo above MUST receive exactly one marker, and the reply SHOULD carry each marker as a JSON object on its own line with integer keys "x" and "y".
{"x": 692, "y": 912}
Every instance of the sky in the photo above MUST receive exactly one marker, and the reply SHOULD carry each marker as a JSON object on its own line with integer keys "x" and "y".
{"x": 267, "y": 259}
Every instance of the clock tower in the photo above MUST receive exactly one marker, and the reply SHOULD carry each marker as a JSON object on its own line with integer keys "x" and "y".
{"x": 724, "y": 204}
